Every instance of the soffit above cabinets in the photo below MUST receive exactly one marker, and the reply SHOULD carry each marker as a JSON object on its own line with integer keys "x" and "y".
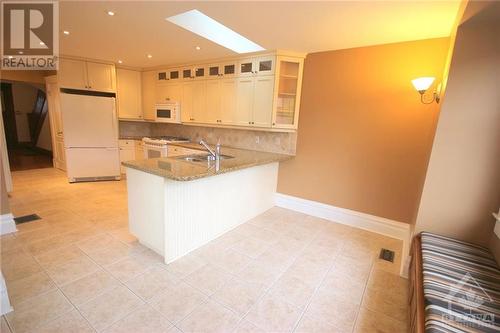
{"x": 139, "y": 28}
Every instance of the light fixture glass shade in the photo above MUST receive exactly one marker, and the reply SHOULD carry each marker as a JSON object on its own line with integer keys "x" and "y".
{"x": 422, "y": 83}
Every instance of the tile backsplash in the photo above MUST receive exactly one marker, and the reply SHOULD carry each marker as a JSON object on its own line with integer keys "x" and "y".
{"x": 276, "y": 142}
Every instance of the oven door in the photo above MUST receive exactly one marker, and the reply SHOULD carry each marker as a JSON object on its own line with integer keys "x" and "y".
{"x": 151, "y": 151}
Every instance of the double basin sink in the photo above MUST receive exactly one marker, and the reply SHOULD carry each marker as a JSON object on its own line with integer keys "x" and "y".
{"x": 201, "y": 158}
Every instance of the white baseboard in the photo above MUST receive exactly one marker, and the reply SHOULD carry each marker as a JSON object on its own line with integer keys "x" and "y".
{"x": 7, "y": 224}
{"x": 376, "y": 224}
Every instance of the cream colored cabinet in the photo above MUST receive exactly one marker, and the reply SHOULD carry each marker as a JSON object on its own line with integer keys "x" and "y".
{"x": 244, "y": 102}
{"x": 55, "y": 119}
{"x": 86, "y": 75}
{"x": 259, "y": 91}
{"x": 72, "y": 74}
{"x": 262, "y": 101}
{"x": 127, "y": 152}
{"x": 288, "y": 86}
{"x": 193, "y": 102}
{"x": 213, "y": 101}
{"x": 139, "y": 150}
{"x": 101, "y": 77}
{"x": 129, "y": 94}
{"x": 148, "y": 86}
{"x": 254, "y": 101}
{"x": 171, "y": 92}
{"x": 260, "y": 66}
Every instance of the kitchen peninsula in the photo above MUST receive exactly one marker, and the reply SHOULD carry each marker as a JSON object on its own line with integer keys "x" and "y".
{"x": 177, "y": 204}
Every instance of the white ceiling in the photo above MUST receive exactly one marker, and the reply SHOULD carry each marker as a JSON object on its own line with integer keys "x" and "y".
{"x": 139, "y": 28}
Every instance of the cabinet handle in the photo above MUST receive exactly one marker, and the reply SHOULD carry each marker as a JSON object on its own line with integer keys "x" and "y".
{"x": 274, "y": 124}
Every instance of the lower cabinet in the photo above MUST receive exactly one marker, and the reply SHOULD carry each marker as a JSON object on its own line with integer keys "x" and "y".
{"x": 139, "y": 150}
{"x": 127, "y": 152}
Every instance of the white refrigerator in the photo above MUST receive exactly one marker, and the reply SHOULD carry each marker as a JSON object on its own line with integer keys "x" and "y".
{"x": 90, "y": 136}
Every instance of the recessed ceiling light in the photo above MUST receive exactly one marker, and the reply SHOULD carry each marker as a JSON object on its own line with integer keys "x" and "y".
{"x": 198, "y": 48}
{"x": 111, "y": 13}
{"x": 20, "y": 52}
{"x": 120, "y": 62}
{"x": 150, "y": 56}
{"x": 205, "y": 26}
{"x": 42, "y": 43}
{"x": 10, "y": 57}
{"x": 66, "y": 32}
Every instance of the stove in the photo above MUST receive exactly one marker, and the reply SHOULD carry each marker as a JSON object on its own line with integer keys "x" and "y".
{"x": 158, "y": 146}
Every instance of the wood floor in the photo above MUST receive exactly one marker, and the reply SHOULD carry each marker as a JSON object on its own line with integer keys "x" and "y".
{"x": 25, "y": 158}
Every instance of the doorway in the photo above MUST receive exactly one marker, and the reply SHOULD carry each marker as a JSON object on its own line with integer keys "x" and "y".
{"x": 26, "y": 125}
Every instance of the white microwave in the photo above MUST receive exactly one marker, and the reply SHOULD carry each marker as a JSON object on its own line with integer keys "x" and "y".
{"x": 169, "y": 112}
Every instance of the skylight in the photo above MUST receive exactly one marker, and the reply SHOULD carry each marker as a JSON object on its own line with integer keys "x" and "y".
{"x": 204, "y": 26}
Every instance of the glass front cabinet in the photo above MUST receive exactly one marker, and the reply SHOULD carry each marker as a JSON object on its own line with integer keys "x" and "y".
{"x": 288, "y": 84}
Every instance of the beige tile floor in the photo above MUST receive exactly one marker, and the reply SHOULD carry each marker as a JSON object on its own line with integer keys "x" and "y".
{"x": 79, "y": 270}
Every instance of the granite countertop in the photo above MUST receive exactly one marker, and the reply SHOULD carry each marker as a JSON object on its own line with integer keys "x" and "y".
{"x": 181, "y": 170}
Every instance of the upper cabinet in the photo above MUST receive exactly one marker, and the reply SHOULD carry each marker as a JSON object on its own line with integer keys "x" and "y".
{"x": 288, "y": 87}
{"x": 256, "y": 66}
{"x": 129, "y": 93}
{"x": 86, "y": 75}
{"x": 148, "y": 86}
{"x": 261, "y": 91}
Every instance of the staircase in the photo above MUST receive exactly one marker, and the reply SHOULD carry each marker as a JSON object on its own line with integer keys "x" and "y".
{"x": 37, "y": 117}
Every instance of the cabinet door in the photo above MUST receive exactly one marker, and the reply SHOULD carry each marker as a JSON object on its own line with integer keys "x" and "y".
{"x": 229, "y": 69}
{"x": 148, "y": 94}
{"x": 101, "y": 77}
{"x": 213, "y": 98}
{"x": 288, "y": 85}
{"x": 169, "y": 92}
{"x": 263, "y": 101}
{"x": 129, "y": 94}
{"x": 193, "y": 102}
{"x": 72, "y": 74}
{"x": 228, "y": 92}
{"x": 244, "y": 102}
{"x": 214, "y": 71}
{"x": 265, "y": 65}
{"x": 200, "y": 72}
{"x": 246, "y": 67}
{"x": 126, "y": 154}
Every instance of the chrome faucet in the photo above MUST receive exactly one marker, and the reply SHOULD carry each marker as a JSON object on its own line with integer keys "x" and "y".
{"x": 214, "y": 155}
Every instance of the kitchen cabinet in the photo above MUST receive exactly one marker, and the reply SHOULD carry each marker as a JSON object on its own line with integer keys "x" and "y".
{"x": 127, "y": 152}
{"x": 170, "y": 92}
{"x": 139, "y": 150}
{"x": 288, "y": 86}
{"x": 260, "y": 66}
{"x": 86, "y": 75}
{"x": 193, "y": 107}
{"x": 261, "y": 91}
{"x": 129, "y": 94}
{"x": 148, "y": 86}
{"x": 244, "y": 102}
{"x": 254, "y": 101}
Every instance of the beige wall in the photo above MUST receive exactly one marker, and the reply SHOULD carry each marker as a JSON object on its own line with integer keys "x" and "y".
{"x": 364, "y": 138}
{"x": 26, "y": 76}
{"x": 462, "y": 187}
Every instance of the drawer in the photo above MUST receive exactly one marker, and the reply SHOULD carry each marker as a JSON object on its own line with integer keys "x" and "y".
{"x": 126, "y": 144}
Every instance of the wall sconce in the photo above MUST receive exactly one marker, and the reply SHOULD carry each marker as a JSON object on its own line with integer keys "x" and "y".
{"x": 422, "y": 84}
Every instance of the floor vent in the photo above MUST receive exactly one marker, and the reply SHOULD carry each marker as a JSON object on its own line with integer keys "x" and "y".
{"x": 26, "y": 218}
{"x": 386, "y": 255}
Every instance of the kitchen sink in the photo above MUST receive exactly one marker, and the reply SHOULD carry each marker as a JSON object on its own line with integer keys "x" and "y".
{"x": 201, "y": 158}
